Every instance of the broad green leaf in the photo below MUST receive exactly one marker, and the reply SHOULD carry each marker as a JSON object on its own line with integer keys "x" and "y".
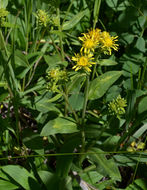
{"x": 76, "y": 82}
{"x": 55, "y": 61}
{"x": 131, "y": 67}
{"x": 33, "y": 141}
{"x": 140, "y": 131}
{"x": 104, "y": 166}
{"x": 20, "y": 59}
{"x": 131, "y": 159}
{"x": 110, "y": 143}
{"x": 138, "y": 184}
{"x": 44, "y": 106}
{"x": 141, "y": 106}
{"x": 91, "y": 177}
{"x": 127, "y": 38}
{"x": 75, "y": 19}
{"x": 100, "y": 85}
{"x": 50, "y": 180}
{"x": 113, "y": 92}
{"x": 3, "y": 3}
{"x": 140, "y": 44}
{"x": 6, "y": 185}
{"x": 21, "y": 176}
{"x": 59, "y": 125}
{"x": 107, "y": 62}
{"x": 76, "y": 101}
{"x": 112, "y": 3}
{"x": 64, "y": 162}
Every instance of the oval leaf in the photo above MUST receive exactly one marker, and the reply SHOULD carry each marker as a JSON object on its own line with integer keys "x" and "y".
{"x": 100, "y": 85}
{"x": 21, "y": 176}
{"x": 104, "y": 166}
{"x": 107, "y": 62}
{"x": 59, "y": 125}
{"x": 70, "y": 24}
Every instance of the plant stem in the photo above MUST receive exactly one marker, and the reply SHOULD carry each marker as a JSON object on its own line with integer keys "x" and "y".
{"x": 67, "y": 102}
{"x": 54, "y": 44}
{"x": 60, "y": 36}
{"x": 83, "y": 118}
{"x": 85, "y": 99}
{"x": 94, "y": 68}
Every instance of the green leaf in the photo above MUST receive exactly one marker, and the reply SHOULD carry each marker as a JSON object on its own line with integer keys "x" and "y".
{"x": 76, "y": 101}
{"x": 112, "y": 3}
{"x": 54, "y": 61}
{"x": 64, "y": 162}
{"x": 100, "y": 85}
{"x": 104, "y": 166}
{"x": 59, "y": 125}
{"x": 140, "y": 44}
{"x": 91, "y": 177}
{"x": 138, "y": 184}
{"x": 50, "y": 180}
{"x": 3, "y": 3}
{"x": 141, "y": 106}
{"x": 107, "y": 62}
{"x": 21, "y": 176}
{"x": 140, "y": 131}
{"x": 44, "y": 106}
{"x": 70, "y": 24}
{"x": 76, "y": 82}
{"x": 6, "y": 185}
{"x": 33, "y": 141}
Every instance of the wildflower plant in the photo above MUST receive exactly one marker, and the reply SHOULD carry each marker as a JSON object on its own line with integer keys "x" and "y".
{"x": 59, "y": 74}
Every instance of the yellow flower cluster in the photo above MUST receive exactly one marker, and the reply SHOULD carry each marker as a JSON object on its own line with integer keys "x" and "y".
{"x": 136, "y": 146}
{"x": 92, "y": 40}
{"x": 95, "y": 38}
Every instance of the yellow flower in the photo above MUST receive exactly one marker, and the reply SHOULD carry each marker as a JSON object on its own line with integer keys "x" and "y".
{"x": 108, "y": 42}
{"x": 90, "y": 40}
{"x": 83, "y": 61}
{"x": 95, "y": 34}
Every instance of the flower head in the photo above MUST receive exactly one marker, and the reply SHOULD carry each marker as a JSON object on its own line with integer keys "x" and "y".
{"x": 117, "y": 106}
{"x": 3, "y": 14}
{"x": 83, "y": 61}
{"x": 108, "y": 42}
{"x": 90, "y": 40}
{"x": 55, "y": 78}
{"x": 43, "y": 17}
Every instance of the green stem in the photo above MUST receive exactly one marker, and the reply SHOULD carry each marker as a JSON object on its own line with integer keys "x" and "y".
{"x": 54, "y": 44}
{"x": 94, "y": 68}
{"x": 85, "y": 99}
{"x": 83, "y": 118}
{"x": 67, "y": 12}
{"x": 60, "y": 36}
{"x": 67, "y": 102}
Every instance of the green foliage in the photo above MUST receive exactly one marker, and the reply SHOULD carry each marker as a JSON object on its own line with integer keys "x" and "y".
{"x": 73, "y": 94}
